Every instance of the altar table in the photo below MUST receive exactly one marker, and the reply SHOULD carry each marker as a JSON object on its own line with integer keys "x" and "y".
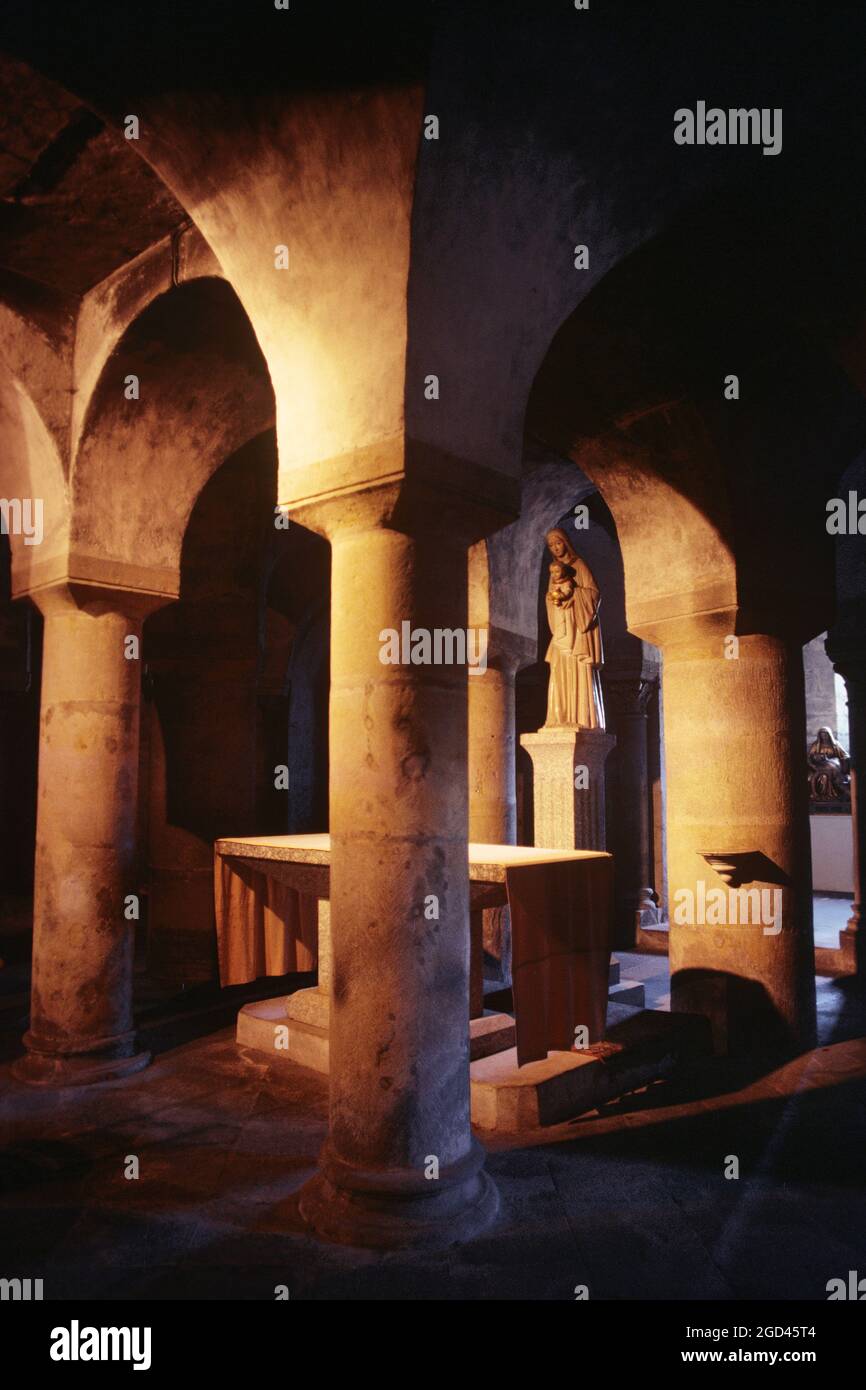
{"x": 267, "y": 894}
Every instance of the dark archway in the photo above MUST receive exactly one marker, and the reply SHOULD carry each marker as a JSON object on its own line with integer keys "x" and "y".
{"x": 230, "y": 671}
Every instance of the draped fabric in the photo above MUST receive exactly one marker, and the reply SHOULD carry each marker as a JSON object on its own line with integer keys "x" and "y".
{"x": 560, "y": 905}
{"x": 263, "y": 926}
{"x": 561, "y": 918}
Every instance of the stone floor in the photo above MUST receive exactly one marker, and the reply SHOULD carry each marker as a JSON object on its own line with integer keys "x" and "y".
{"x": 829, "y": 917}
{"x": 633, "y": 1203}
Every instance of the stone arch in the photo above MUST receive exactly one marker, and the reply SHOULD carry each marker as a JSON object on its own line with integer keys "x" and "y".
{"x": 328, "y": 173}
{"x": 141, "y": 464}
{"x": 600, "y": 400}
{"x": 221, "y": 664}
{"x": 718, "y": 507}
{"x": 110, "y": 309}
{"x": 20, "y": 672}
{"x": 634, "y": 388}
{"x": 200, "y": 725}
{"x": 31, "y": 467}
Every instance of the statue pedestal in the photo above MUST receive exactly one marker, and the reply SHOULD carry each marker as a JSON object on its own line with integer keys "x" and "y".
{"x": 568, "y": 786}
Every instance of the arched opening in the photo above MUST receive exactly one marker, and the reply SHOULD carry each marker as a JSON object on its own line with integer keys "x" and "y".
{"x": 235, "y": 735}
{"x": 33, "y": 542}
{"x": 20, "y": 672}
{"x": 630, "y": 681}
{"x": 636, "y": 390}
{"x": 185, "y": 387}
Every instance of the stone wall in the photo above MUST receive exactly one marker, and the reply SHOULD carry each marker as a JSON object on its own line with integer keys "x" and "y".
{"x": 820, "y": 688}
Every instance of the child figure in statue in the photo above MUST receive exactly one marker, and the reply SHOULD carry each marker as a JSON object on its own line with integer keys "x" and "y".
{"x": 561, "y": 584}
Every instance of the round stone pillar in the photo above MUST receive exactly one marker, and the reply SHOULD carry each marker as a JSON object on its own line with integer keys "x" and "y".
{"x": 630, "y": 830}
{"x": 854, "y": 673}
{"x": 400, "y": 1166}
{"x": 737, "y": 821}
{"x": 493, "y": 775}
{"x": 492, "y": 740}
{"x": 81, "y": 1027}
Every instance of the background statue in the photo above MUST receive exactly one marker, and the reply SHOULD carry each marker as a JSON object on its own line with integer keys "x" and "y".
{"x": 574, "y": 655}
{"x": 829, "y": 769}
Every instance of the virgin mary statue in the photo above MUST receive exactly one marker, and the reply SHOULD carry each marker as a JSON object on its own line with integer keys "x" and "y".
{"x": 574, "y": 655}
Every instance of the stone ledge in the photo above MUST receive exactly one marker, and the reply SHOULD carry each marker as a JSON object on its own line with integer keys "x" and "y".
{"x": 653, "y": 941}
{"x": 641, "y": 1046}
{"x": 629, "y": 992}
{"x": 304, "y": 1043}
{"x": 311, "y": 1006}
{"x": 837, "y": 960}
{"x": 308, "y": 1043}
{"x": 490, "y": 1034}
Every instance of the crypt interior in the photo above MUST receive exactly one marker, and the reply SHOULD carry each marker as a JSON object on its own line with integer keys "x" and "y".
{"x": 408, "y": 977}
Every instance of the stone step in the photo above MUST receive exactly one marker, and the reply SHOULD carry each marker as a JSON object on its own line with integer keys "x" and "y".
{"x": 641, "y": 1046}
{"x": 266, "y": 1026}
{"x": 629, "y": 992}
{"x": 613, "y": 975}
{"x": 836, "y": 961}
{"x": 653, "y": 941}
{"x": 492, "y": 1032}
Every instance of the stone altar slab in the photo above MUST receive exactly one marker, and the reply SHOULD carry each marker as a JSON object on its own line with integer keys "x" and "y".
{"x": 297, "y": 1027}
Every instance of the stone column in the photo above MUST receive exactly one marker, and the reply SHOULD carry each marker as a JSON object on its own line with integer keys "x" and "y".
{"x": 626, "y": 699}
{"x": 657, "y": 777}
{"x": 400, "y": 1166}
{"x": 202, "y": 778}
{"x": 493, "y": 772}
{"x": 81, "y": 1026}
{"x": 851, "y": 940}
{"x": 737, "y": 792}
{"x": 492, "y": 740}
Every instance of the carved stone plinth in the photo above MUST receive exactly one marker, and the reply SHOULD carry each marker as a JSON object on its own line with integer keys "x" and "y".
{"x": 568, "y": 786}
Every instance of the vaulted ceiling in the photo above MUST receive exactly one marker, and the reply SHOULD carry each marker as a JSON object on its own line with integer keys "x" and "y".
{"x": 76, "y": 201}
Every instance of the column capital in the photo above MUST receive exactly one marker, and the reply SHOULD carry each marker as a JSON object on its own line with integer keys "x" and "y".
{"x": 509, "y": 651}
{"x": 402, "y": 485}
{"x": 628, "y": 695}
{"x": 33, "y": 575}
{"x": 75, "y": 596}
{"x": 851, "y": 666}
{"x": 679, "y": 631}
{"x": 846, "y": 643}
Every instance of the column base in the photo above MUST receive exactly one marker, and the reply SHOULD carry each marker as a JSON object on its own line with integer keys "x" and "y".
{"x": 853, "y": 949}
{"x": 398, "y": 1209}
{"x": 40, "y": 1069}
